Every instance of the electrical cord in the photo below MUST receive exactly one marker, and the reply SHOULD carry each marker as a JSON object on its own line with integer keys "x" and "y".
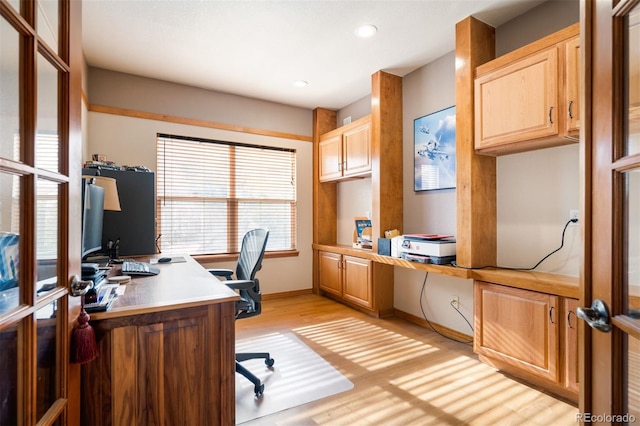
{"x": 533, "y": 267}
{"x": 424, "y": 314}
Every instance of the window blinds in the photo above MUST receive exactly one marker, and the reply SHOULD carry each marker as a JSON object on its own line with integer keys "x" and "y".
{"x": 210, "y": 193}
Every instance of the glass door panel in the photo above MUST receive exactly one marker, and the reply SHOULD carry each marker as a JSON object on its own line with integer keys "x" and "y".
{"x": 9, "y": 375}
{"x": 9, "y": 242}
{"x": 47, "y": 358}
{"x": 633, "y": 242}
{"x": 47, "y": 23}
{"x": 633, "y": 83}
{"x": 9, "y": 92}
{"x": 47, "y": 148}
{"x": 633, "y": 378}
{"x": 47, "y": 205}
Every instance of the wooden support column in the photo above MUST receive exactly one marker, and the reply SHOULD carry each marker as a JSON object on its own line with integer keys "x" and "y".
{"x": 325, "y": 200}
{"x": 476, "y": 174}
{"x": 386, "y": 154}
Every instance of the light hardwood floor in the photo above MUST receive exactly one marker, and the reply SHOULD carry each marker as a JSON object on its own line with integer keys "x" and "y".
{"x": 403, "y": 374}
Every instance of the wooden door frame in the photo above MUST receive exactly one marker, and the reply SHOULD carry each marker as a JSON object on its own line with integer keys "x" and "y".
{"x": 602, "y": 371}
{"x": 74, "y": 153}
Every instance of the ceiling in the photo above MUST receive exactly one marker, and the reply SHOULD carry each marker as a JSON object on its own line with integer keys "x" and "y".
{"x": 259, "y": 48}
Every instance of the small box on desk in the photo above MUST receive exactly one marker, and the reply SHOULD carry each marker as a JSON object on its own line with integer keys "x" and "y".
{"x": 384, "y": 246}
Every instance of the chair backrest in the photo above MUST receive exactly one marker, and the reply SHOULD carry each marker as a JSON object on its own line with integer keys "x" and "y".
{"x": 254, "y": 243}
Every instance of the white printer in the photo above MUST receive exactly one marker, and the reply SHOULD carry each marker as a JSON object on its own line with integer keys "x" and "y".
{"x": 428, "y": 248}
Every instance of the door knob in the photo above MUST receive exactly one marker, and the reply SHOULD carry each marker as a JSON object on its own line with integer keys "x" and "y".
{"x": 80, "y": 287}
{"x": 597, "y": 316}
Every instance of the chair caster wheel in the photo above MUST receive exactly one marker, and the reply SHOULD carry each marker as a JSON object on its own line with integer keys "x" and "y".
{"x": 269, "y": 362}
{"x": 259, "y": 390}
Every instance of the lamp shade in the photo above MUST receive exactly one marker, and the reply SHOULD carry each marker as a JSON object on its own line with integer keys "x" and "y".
{"x": 111, "y": 199}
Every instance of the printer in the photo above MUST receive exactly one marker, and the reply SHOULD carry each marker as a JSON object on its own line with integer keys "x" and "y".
{"x": 428, "y": 248}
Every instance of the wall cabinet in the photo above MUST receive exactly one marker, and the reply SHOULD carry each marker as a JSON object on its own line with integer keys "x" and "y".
{"x": 346, "y": 152}
{"x": 529, "y": 99}
{"x": 348, "y": 277}
{"x": 572, "y": 86}
{"x": 528, "y": 334}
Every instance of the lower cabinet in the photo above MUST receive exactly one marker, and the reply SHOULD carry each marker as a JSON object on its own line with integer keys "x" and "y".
{"x": 528, "y": 334}
{"x": 357, "y": 281}
{"x": 571, "y": 345}
{"x": 173, "y": 367}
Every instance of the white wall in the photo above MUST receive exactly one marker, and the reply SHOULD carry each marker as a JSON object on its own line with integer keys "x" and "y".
{"x": 132, "y": 141}
{"x": 427, "y": 90}
{"x": 535, "y": 190}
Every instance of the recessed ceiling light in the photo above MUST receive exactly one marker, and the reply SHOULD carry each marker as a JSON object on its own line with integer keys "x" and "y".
{"x": 300, "y": 83}
{"x": 365, "y": 31}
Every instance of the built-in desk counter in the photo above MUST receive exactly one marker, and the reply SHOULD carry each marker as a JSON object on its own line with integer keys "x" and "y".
{"x": 178, "y": 285}
{"x": 166, "y": 352}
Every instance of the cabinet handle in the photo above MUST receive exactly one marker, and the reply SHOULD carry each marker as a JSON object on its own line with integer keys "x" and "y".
{"x": 340, "y": 166}
{"x": 569, "y": 319}
{"x": 570, "y": 113}
{"x": 551, "y": 315}
{"x": 550, "y": 117}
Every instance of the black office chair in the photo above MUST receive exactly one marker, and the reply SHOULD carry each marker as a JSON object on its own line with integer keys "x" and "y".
{"x": 248, "y": 286}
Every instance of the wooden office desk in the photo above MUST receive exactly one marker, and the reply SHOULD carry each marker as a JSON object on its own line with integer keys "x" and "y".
{"x": 166, "y": 352}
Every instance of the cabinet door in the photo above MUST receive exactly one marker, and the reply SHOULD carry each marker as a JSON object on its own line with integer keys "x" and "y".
{"x": 330, "y": 272}
{"x": 172, "y": 380}
{"x": 518, "y": 328}
{"x": 517, "y": 102}
{"x": 330, "y": 158}
{"x": 571, "y": 345}
{"x": 572, "y": 86}
{"x": 357, "y": 281}
{"x": 357, "y": 151}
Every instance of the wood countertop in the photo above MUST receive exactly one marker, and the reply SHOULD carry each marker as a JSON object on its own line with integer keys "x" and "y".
{"x": 544, "y": 282}
{"x": 178, "y": 285}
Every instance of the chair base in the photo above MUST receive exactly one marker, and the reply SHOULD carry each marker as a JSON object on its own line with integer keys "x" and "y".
{"x": 258, "y": 386}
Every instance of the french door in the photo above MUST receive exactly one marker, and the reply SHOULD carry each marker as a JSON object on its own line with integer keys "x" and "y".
{"x": 611, "y": 352}
{"x": 40, "y": 95}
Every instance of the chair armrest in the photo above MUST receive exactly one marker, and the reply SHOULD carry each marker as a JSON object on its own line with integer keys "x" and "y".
{"x": 240, "y": 284}
{"x": 227, "y": 273}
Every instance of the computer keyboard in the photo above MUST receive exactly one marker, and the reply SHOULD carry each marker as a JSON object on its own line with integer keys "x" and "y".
{"x": 138, "y": 268}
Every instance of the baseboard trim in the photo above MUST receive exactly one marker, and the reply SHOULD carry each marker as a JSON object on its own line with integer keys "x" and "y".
{"x": 461, "y": 337}
{"x": 272, "y": 296}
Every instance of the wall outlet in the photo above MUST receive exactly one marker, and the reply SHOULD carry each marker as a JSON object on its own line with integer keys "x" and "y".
{"x": 455, "y": 302}
{"x": 574, "y": 214}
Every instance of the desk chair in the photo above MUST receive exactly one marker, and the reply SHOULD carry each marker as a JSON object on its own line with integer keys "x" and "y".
{"x": 248, "y": 286}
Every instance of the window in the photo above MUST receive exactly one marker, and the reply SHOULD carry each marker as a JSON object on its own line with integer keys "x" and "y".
{"x": 210, "y": 193}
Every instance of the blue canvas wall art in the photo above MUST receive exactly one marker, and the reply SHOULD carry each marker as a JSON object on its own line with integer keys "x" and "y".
{"x": 435, "y": 150}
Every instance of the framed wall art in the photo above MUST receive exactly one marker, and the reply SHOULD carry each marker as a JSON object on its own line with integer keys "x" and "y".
{"x": 434, "y": 137}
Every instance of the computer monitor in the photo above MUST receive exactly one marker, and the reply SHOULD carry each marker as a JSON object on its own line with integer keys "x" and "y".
{"x": 92, "y": 215}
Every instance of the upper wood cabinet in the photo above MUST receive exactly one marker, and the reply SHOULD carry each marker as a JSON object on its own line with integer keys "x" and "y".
{"x": 346, "y": 152}
{"x": 528, "y": 99}
{"x": 572, "y": 86}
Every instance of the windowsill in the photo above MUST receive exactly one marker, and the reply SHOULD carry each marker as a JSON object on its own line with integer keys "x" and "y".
{"x": 209, "y": 258}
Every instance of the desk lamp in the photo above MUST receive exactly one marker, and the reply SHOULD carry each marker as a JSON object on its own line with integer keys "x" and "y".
{"x": 111, "y": 199}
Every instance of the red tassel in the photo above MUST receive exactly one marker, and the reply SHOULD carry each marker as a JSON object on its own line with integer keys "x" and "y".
{"x": 83, "y": 339}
